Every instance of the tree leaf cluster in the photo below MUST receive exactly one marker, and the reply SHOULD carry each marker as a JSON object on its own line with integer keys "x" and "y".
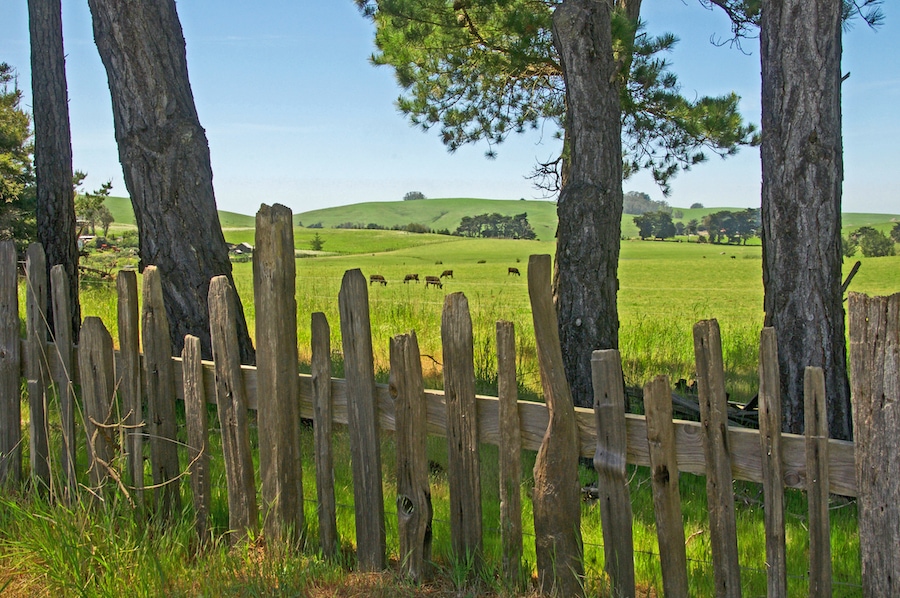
{"x": 90, "y": 209}
{"x": 730, "y": 227}
{"x": 17, "y": 183}
{"x": 872, "y": 242}
{"x": 657, "y": 225}
{"x": 637, "y": 202}
{"x": 479, "y": 70}
{"x": 496, "y": 226}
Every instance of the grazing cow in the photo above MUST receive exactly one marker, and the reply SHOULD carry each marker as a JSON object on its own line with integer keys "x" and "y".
{"x": 447, "y": 274}
{"x": 514, "y": 271}
{"x": 377, "y": 278}
{"x": 734, "y": 257}
{"x": 433, "y": 280}
{"x": 482, "y": 261}
{"x": 409, "y": 277}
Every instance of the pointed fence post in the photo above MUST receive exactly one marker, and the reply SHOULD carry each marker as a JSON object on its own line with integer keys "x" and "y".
{"x": 10, "y": 369}
{"x": 772, "y": 464}
{"x": 231, "y": 397}
{"x": 612, "y": 470}
{"x": 557, "y": 493}
{"x": 816, "y": 432}
{"x": 875, "y": 379}
{"x": 96, "y": 362}
{"x": 414, "y": 512}
{"x": 64, "y": 373}
{"x": 510, "y": 455}
{"x": 666, "y": 498}
{"x": 322, "y": 428}
{"x": 37, "y": 364}
{"x": 362, "y": 416}
{"x": 274, "y": 290}
{"x": 160, "y": 378}
{"x": 128, "y": 372}
{"x": 463, "y": 466}
{"x": 197, "y": 423}
{"x": 719, "y": 482}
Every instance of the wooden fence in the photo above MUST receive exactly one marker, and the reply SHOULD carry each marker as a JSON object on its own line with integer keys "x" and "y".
{"x": 149, "y": 382}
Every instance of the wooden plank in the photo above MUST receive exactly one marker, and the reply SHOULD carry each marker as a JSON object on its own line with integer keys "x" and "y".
{"x": 365, "y": 443}
{"x": 98, "y": 393}
{"x": 610, "y": 463}
{"x": 510, "y": 456}
{"x": 322, "y": 428}
{"x": 557, "y": 493}
{"x": 414, "y": 512}
{"x": 875, "y": 384}
{"x": 719, "y": 491}
{"x": 816, "y": 431}
{"x": 232, "y": 407}
{"x": 160, "y": 379}
{"x": 772, "y": 465}
{"x": 274, "y": 288}
{"x": 63, "y": 374}
{"x": 37, "y": 373}
{"x": 128, "y": 372}
{"x": 196, "y": 421}
{"x": 463, "y": 465}
{"x": 10, "y": 369}
{"x": 746, "y": 460}
{"x": 666, "y": 498}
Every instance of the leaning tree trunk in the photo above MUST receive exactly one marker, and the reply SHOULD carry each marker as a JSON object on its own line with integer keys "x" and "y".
{"x": 802, "y": 168}
{"x": 53, "y": 147}
{"x": 165, "y": 159}
{"x": 585, "y": 279}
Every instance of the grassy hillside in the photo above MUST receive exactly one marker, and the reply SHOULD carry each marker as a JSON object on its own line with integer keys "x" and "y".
{"x": 124, "y": 214}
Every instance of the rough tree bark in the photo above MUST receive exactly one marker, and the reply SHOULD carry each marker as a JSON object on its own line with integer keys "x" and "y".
{"x": 585, "y": 280}
{"x": 53, "y": 147}
{"x": 165, "y": 159}
{"x": 802, "y": 168}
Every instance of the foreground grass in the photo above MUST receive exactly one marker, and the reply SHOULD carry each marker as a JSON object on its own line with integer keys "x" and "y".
{"x": 93, "y": 548}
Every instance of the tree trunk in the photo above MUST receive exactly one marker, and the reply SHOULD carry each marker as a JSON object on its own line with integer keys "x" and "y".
{"x": 165, "y": 159}
{"x": 53, "y": 147}
{"x": 802, "y": 168}
{"x": 590, "y": 204}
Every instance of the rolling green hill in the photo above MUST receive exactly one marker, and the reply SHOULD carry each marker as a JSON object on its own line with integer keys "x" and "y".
{"x": 447, "y": 213}
{"x": 124, "y": 214}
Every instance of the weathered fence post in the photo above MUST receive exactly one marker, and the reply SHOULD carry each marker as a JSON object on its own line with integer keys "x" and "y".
{"x": 772, "y": 464}
{"x": 414, "y": 512}
{"x": 96, "y": 362}
{"x": 463, "y": 466}
{"x": 557, "y": 495}
{"x": 129, "y": 378}
{"x": 816, "y": 431}
{"x": 37, "y": 370}
{"x": 274, "y": 289}
{"x": 666, "y": 498}
{"x": 610, "y": 463}
{"x": 231, "y": 397}
{"x": 322, "y": 428}
{"x": 719, "y": 483}
{"x": 362, "y": 416}
{"x": 63, "y": 375}
{"x": 10, "y": 369}
{"x": 160, "y": 379}
{"x": 510, "y": 455}
{"x": 875, "y": 379}
{"x": 196, "y": 421}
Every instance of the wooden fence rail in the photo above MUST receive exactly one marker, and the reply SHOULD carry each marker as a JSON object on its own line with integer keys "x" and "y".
{"x": 612, "y": 438}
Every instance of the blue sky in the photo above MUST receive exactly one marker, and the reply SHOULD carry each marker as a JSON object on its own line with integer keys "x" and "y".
{"x": 295, "y": 113}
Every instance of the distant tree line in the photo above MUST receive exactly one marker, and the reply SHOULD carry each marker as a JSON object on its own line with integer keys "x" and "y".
{"x": 496, "y": 226}
{"x": 412, "y": 195}
{"x": 871, "y": 242}
{"x": 721, "y": 227}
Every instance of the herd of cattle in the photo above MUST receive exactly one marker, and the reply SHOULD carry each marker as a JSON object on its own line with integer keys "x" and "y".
{"x": 429, "y": 280}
